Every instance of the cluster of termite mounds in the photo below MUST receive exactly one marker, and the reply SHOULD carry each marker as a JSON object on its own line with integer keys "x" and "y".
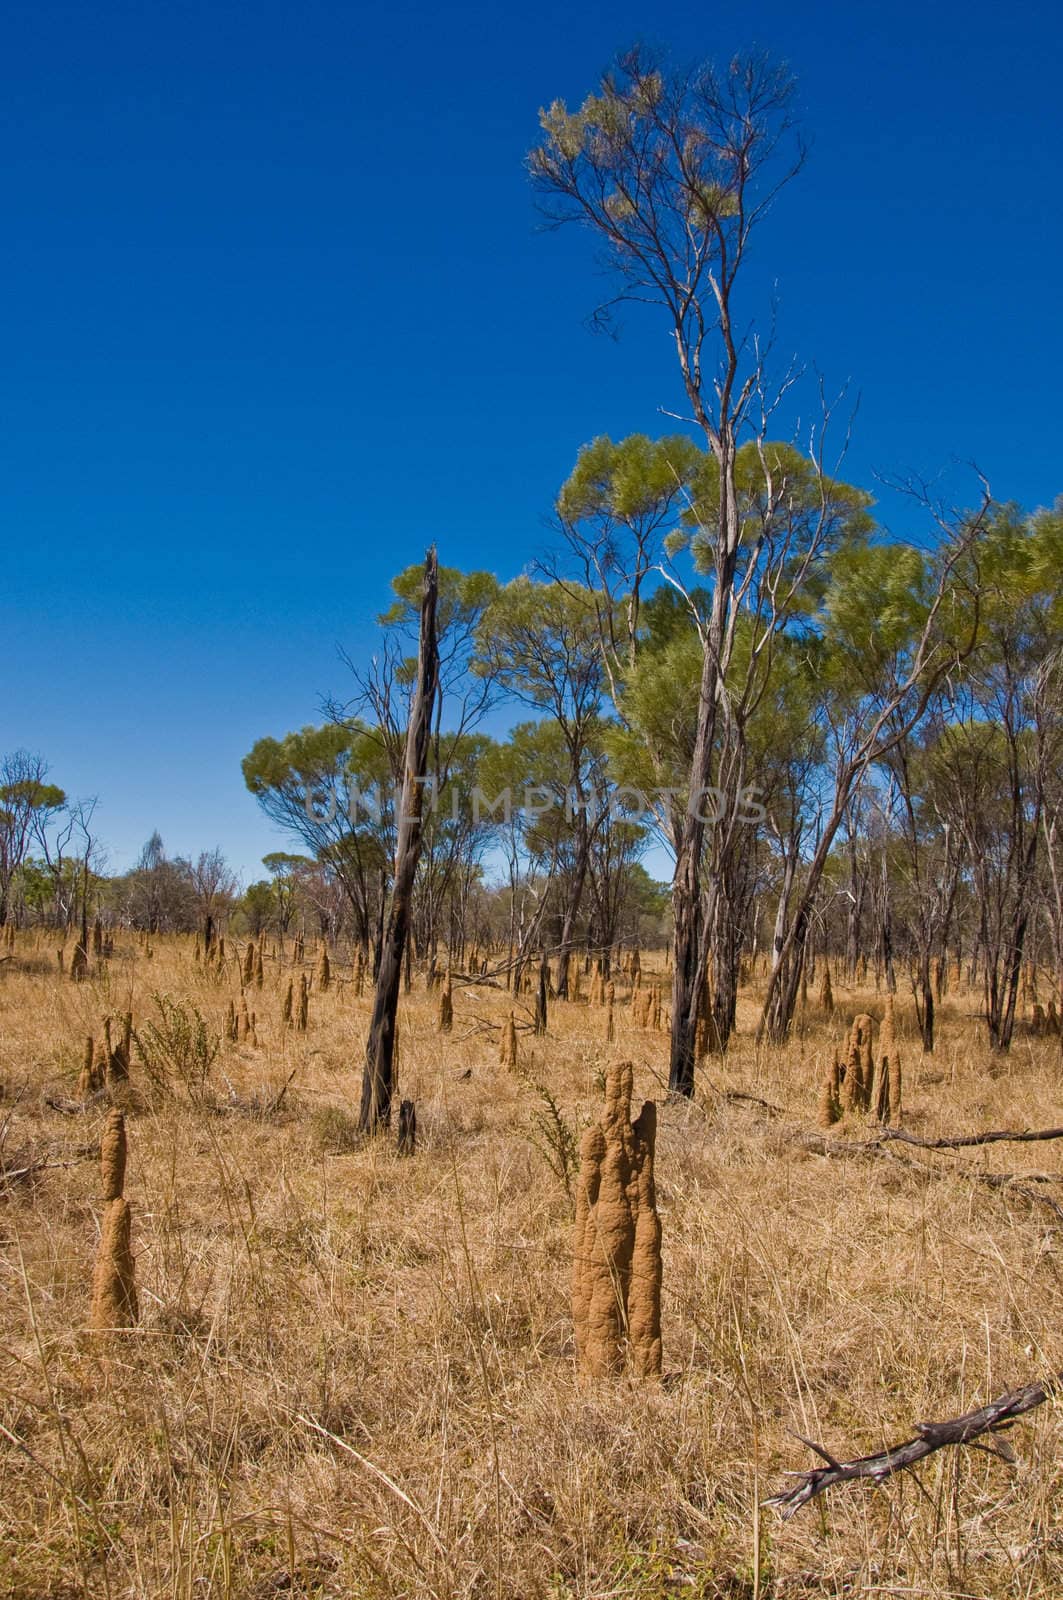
{"x": 862, "y": 1081}
{"x": 105, "y": 1064}
{"x": 616, "y": 1254}
{"x": 1045, "y": 1024}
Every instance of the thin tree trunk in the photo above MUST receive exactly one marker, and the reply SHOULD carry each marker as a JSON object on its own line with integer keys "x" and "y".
{"x": 377, "y": 1079}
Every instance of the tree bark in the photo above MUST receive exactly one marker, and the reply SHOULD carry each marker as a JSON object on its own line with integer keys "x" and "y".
{"x": 378, "y": 1076}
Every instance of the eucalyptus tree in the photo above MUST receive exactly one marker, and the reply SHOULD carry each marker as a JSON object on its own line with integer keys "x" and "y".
{"x": 890, "y": 626}
{"x": 331, "y": 788}
{"x": 540, "y": 643}
{"x": 285, "y": 870}
{"x": 928, "y": 858}
{"x": 792, "y": 517}
{"x": 528, "y": 766}
{"x": 28, "y": 804}
{"x": 673, "y": 172}
{"x": 999, "y": 747}
{"x": 386, "y": 684}
{"x": 456, "y": 834}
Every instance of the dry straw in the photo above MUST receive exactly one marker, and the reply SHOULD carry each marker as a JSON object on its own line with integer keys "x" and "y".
{"x": 616, "y": 1264}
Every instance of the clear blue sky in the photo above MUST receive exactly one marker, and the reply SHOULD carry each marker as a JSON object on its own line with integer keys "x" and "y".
{"x": 277, "y": 313}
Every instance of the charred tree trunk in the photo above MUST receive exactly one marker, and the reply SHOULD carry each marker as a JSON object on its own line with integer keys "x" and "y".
{"x": 377, "y": 1079}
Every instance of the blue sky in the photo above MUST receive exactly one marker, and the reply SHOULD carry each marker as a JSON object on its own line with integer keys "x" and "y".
{"x": 278, "y": 312}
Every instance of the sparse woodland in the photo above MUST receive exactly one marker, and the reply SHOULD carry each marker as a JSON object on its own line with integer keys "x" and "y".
{"x": 458, "y": 1211}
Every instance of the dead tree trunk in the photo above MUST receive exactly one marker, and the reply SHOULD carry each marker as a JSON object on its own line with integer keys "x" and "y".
{"x": 377, "y": 1079}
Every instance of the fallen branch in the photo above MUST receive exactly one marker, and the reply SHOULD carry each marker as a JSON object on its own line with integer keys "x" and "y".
{"x": 966, "y": 1140}
{"x": 929, "y": 1436}
{"x": 821, "y": 1145}
{"x": 738, "y": 1096}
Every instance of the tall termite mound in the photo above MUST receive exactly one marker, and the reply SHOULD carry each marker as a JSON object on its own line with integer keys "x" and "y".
{"x": 90, "y": 1081}
{"x": 120, "y": 1057}
{"x": 858, "y": 1066}
{"x": 446, "y": 1004}
{"x": 616, "y": 1261}
{"x": 324, "y": 970}
{"x": 828, "y": 1108}
{"x": 507, "y": 1055}
{"x": 867, "y": 1084}
{"x": 112, "y": 1157}
{"x": 826, "y": 993}
{"x": 889, "y": 1097}
{"x": 114, "y": 1292}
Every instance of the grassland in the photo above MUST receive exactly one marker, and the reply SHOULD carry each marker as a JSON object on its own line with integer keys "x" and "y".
{"x": 353, "y": 1374}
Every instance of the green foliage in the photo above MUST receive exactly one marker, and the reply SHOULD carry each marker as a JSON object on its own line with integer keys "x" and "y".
{"x": 282, "y": 864}
{"x": 463, "y": 597}
{"x": 31, "y": 795}
{"x": 783, "y": 499}
{"x": 179, "y": 1048}
{"x": 636, "y": 481}
{"x": 335, "y": 1131}
{"x": 259, "y": 904}
{"x": 555, "y": 1138}
{"x": 874, "y": 607}
{"x": 309, "y": 758}
{"x": 541, "y": 641}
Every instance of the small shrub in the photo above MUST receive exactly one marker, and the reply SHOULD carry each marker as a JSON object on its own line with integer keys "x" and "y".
{"x": 555, "y": 1138}
{"x": 178, "y": 1048}
{"x": 335, "y": 1131}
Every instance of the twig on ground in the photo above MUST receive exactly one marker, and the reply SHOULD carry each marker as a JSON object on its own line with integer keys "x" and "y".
{"x": 929, "y": 1437}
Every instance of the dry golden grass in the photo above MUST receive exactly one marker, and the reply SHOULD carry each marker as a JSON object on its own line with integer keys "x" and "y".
{"x": 353, "y": 1373}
